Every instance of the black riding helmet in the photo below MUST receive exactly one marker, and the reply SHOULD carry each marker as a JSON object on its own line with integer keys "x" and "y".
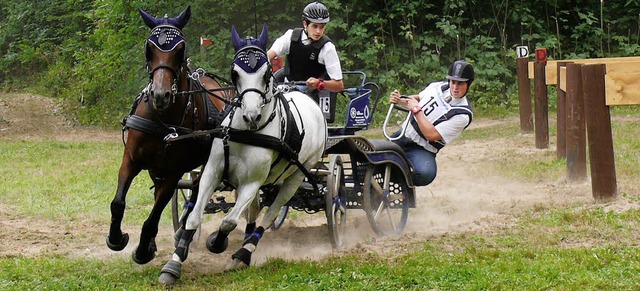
{"x": 461, "y": 71}
{"x": 315, "y": 12}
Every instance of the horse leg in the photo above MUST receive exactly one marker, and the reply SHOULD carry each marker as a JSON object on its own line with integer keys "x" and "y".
{"x": 245, "y": 196}
{"x": 251, "y": 227}
{"x": 116, "y": 239}
{"x": 185, "y": 216}
{"x": 251, "y": 216}
{"x": 146, "y": 250}
{"x": 242, "y": 257}
{"x": 219, "y": 241}
{"x": 211, "y": 178}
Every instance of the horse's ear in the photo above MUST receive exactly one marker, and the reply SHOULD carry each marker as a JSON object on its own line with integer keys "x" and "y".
{"x": 264, "y": 37}
{"x": 182, "y": 19}
{"x": 148, "y": 19}
{"x": 235, "y": 39}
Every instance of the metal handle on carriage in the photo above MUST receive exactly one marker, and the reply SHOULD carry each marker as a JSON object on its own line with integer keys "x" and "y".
{"x": 289, "y": 86}
{"x": 386, "y": 121}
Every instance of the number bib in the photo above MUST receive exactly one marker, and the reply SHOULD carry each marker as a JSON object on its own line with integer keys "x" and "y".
{"x": 437, "y": 110}
{"x": 434, "y": 107}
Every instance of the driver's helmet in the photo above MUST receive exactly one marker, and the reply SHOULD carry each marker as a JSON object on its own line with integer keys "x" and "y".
{"x": 315, "y": 12}
{"x": 461, "y": 71}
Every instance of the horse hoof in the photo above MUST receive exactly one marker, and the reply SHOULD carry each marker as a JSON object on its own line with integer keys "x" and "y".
{"x": 236, "y": 265}
{"x": 170, "y": 273}
{"x": 141, "y": 260}
{"x": 167, "y": 279}
{"x": 124, "y": 240}
{"x": 216, "y": 249}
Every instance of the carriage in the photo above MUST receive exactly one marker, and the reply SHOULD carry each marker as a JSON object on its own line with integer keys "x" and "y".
{"x": 355, "y": 173}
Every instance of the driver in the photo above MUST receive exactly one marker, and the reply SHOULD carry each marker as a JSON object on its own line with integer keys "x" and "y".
{"x": 440, "y": 113}
{"x": 311, "y": 56}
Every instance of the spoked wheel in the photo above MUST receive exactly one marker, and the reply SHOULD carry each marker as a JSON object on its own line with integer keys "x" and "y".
{"x": 281, "y": 217}
{"x": 336, "y": 202}
{"x": 181, "y": 196}
{"x": 386, "y": 199}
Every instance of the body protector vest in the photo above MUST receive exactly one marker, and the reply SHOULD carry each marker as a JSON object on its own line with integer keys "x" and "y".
{"x": 302, "y": 61}
{"x": 437, "y": 111}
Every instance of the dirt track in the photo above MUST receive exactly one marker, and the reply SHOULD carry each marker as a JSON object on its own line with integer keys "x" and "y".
{"x": 463, "y": 198}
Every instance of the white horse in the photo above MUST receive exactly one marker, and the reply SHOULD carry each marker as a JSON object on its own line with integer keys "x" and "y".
{"x": 270, "y": 139}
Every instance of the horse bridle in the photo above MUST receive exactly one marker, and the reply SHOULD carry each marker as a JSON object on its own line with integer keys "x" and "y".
{"x": 166, "y": 34}
{"x": 176, "y": 76}
{"x": 248, "y": 54}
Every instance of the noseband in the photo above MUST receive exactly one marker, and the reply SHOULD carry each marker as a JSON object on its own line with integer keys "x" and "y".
{"x": 263, "y": 94}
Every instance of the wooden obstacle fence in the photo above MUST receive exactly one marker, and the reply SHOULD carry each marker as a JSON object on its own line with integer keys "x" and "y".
{"x": 586, "y": 88}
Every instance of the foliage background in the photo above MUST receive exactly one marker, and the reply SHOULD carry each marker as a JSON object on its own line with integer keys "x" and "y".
{"x": 89, "y": 54}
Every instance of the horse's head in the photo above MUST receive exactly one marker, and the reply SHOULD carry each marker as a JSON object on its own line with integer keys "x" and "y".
{"x": 251, "y": 75}
{"x": 166, "y": 56}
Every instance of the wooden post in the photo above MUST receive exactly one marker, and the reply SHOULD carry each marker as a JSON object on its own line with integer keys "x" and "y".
{"x": 576, "y": 152}
{"x": 561, "y": 136}
{"x": 603, "y": 169}
{"x": 541, "y": 107}
{"x": 524, "y": 92}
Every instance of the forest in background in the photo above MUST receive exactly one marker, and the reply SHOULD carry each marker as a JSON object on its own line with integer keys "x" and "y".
{"x": 89, "y": 54}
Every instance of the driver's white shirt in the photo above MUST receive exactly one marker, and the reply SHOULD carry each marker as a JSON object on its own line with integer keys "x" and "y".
{"x": 449, "y": 129}
{"x": 328, "y": 55}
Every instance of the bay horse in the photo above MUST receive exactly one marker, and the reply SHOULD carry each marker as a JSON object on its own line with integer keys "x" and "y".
{"x": 176, "y": 101}
{"x": 270, "y": 139}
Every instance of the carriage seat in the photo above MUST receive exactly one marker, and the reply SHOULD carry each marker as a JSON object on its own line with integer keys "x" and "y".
{"x": 385, "y": 145}
{"x": 343, "y": 130}
{"x": 381, "y": 145}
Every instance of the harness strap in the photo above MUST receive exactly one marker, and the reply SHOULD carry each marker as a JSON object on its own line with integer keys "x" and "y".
{"x": 212, "y": 92}
{"x": 265, "y": 141}
{"x": 148, "y": 126}
{"x": 225, "y": 172}
{"x": 250, "y": 138}
{"x": 273, "y": 143}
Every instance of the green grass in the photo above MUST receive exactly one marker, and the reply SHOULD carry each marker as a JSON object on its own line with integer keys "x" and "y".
{"x": 491, "y": 132}
{"x": 494, "y": 112}
{"x": 564, "y": 249}
{"x": 68, "y": 180}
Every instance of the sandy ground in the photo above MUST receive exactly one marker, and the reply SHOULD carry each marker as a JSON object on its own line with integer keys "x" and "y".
{"x": 464, "y": 198}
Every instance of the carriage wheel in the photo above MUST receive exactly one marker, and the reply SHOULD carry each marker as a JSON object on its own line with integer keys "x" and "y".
{"x": 180, "y": 198}
{"x": 336, "y": 202}
{"x": 281, "y": 217}
{"x": 386, "y": 199}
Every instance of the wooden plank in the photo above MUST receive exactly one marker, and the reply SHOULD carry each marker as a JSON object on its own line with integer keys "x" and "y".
{"x": 600, "y": 138}
{"x": 576, "y": 145}
{"x": 607, "y": 60}
{"x": 551, "y": 69}
{"x": 524, "y": 94}
{"x": 563, "y": 79}
{"x": 561, "y": 114}
{"x": 550, "y": 72}
{"x": 622, "y": 83}
{"x": 541, "y": 112}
